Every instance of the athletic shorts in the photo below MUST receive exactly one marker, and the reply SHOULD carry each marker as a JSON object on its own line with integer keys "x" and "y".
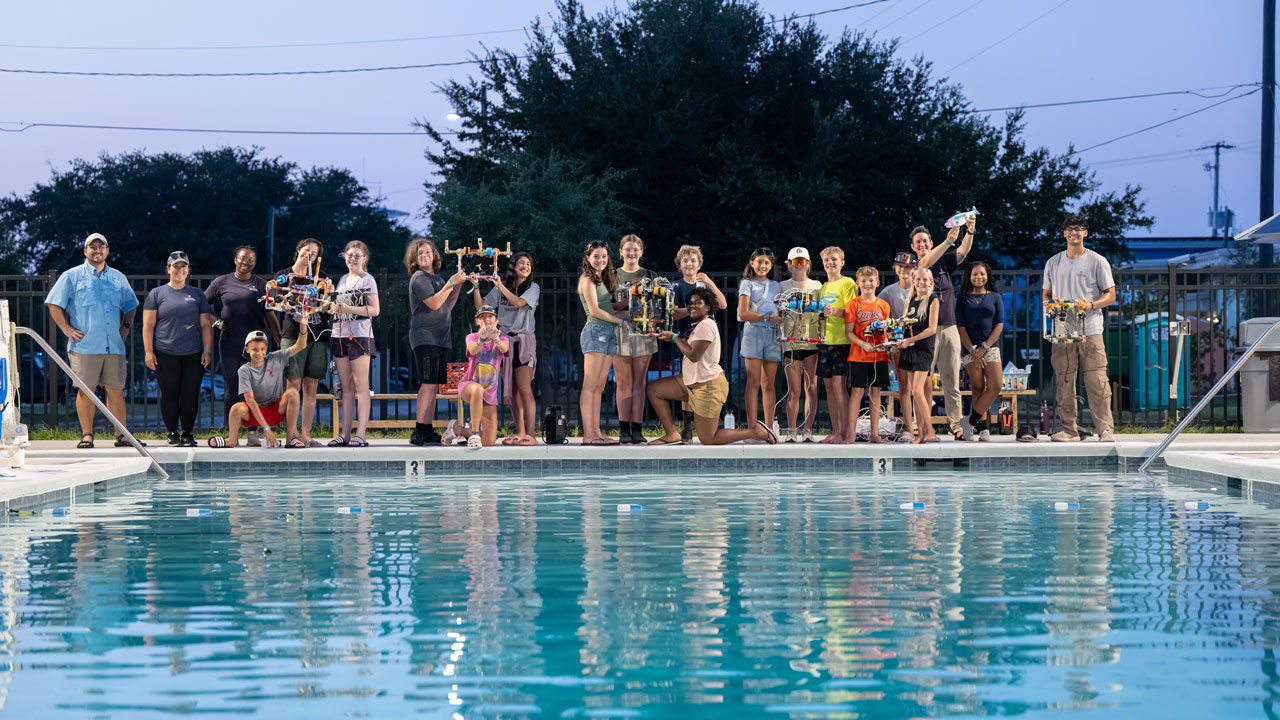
{"x": 270, "y": 413}
{"x": 430, "y": 365}
{"x": 799, "y": 355}
{"x": 352, "y": 347}
{"x": 833, "y": 360}
{"x": 865, "y": 374}
{"x": 312, "y": 362}
{"x": 513, "y": 356}
{"x": 99, "y": 369}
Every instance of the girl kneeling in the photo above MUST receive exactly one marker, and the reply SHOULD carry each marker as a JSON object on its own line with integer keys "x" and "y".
{"x": 479, "y": 384}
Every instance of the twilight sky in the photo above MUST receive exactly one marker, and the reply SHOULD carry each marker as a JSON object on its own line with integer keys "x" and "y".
{"x": 1003, "y": 52}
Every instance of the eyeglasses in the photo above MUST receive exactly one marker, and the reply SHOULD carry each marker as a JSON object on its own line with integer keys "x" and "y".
{"x": 353, "y": 255}
{"x": 1077, "y": 228}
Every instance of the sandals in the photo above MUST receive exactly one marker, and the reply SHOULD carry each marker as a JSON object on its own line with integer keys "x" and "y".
{"x": 339, "y": 442}
{"x": 122, "y": 442}
{"x": 357, "y": 441}
{"x": 770, "y": 438}
{"x": 218, "y": 442}
{"x": 296, "y": 443}
{"x": 664, "y": 441}
{"x": 86, "y": 442}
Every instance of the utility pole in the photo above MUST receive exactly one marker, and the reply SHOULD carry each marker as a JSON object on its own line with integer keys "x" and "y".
{"x": 271, "y": 238}
{"x": 1218, "y": 147}
{"x": 1267, "y": 169}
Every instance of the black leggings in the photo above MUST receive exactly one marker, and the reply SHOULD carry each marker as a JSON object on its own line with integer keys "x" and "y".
{"x": 179, "y": 379}
{"x": 231, "y": 360}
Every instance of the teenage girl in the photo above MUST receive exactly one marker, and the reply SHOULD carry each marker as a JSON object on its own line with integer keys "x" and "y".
{"x": 917, "y": 357}
{"x": 759, "y": 344}
{"x": 599, "y": 337}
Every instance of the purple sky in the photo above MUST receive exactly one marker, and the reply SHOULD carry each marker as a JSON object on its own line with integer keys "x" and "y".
{"x": 1080, "y": 49}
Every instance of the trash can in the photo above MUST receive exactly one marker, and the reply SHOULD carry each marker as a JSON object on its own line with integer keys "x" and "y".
{"x": 1260, "y": 378}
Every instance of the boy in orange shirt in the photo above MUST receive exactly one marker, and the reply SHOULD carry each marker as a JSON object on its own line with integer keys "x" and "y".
{"x": 867, "y": 367}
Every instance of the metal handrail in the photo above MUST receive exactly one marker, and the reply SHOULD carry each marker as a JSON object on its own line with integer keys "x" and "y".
{"x": 1226, "y": 377}
{"x": 89, "y": 393}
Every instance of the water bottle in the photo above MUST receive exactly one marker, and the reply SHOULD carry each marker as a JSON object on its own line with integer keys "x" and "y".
{"x": 728, "y": 420}
{"x": 1046, "y": 419}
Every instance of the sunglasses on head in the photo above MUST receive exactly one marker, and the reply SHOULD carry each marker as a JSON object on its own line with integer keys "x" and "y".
{"x": 763, "y": 251}
{"x": 597, "y": 244}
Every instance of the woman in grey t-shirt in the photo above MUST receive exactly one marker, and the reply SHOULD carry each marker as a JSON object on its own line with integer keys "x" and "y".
{"x": 177, "y": 335}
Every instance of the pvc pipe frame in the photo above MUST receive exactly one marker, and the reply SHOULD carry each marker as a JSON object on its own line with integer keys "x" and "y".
{"x": 1222, "y": 381}
{"x": 88, "y": 391}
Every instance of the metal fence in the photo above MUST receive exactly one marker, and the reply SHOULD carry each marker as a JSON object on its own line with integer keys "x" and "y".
{"x": 1141, "y": 352}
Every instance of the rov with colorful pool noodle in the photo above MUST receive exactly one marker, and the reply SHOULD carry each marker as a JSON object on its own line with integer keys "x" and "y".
{"x": 802, "y": 319}
{"x": 479, "y": 251}
{"x": 890, "y": 331}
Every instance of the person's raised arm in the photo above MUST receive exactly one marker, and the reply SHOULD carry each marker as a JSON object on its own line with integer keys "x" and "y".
{"x": 939, "y": 250}
{"x": 303, "y": 334}
{"x": 588, "y": 291}
{"x": 967, "y": 243}
{"x": 710, "y": 284}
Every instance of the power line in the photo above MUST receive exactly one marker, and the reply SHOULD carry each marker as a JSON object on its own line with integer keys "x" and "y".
{"x": 944, "y": 21}
{"x": 832, "y": 10}
{"x": 263, "y": 47}
{"x": 86, "y": 73}
{"x": 231, "y": 131}
{"x": 1198, "y": 92}
{"x": 1006, "y": 37}
{"x": 1166, "y": 122}
{"x": 904, "y": 15}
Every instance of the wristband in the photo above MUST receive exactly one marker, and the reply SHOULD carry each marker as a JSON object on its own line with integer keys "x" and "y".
{"x": 208, "y": 350}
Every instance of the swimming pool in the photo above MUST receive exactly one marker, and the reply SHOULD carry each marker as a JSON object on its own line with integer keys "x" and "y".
{"x": 722, "y": 598}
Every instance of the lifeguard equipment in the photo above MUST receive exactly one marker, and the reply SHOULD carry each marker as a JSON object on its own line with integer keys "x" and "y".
{"x": 802, "y": 319}
{"x": 890, "y": 332}
{"x": 1064, "y": 321}
{"x": 651, "y": 306}
{"x": 479, "y": 251}
{"x": 961, "y": 217}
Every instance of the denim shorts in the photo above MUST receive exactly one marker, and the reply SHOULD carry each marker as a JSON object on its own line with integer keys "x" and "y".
{"x": 760, "y": 343}
{"x": 599, "y": 338}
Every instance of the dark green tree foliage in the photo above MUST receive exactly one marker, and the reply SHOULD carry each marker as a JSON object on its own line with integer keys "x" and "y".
{"x": 701, "y": 121}
{"x": 206, "y": 204}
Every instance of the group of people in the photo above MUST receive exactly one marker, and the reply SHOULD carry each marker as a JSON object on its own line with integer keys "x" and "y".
{"x": 853, "y": 355}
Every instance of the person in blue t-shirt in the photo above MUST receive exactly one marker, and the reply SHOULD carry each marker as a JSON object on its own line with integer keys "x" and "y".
{"x": 759, "y": 346}
{"x": 93, "y": 305}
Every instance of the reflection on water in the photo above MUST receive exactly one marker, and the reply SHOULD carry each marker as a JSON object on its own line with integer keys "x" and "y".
{"x": 778, "y": 596}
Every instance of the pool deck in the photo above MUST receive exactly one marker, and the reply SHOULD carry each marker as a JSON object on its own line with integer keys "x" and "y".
{"x": 58, "y": 473}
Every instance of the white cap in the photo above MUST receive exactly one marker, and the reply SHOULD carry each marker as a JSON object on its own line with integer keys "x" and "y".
{"x": 798, "y": 252}
{"x": 96, "y": 236}
{"x": 255, "y": 335}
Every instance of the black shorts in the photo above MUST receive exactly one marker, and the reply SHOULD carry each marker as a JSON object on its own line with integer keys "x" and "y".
{"x": 799, "y": 354}
{"x": 430, "y": 365}
{"x": 513, "y": 355}
{"x": 865, "y": 374}
{"x": 833, "y": 360}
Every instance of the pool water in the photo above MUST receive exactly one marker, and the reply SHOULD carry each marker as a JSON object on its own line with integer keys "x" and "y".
{"x": 775, "y": 596}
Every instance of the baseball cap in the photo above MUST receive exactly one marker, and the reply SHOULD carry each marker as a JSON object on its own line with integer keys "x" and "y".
{"x": 798, "y": 252}
{"x": 905, "y": 258}
{"x": 177, "y": 256}
{"x": 96, "y": 236}
{"x": 486, "y": 309}
{"x": 255, "y": 335}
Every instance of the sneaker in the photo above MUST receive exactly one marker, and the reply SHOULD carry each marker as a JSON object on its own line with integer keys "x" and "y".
{"x": 251, "y": 439}
{"x": 967, "y": 428}
{"x": 984, "y": 436}
{"x": 188, "y": 440}
{"x": 417, "y": 438}
{"x": 449, "y": 435}
{"x": 1064, "y": 436}
{"x": 175, "y": 440}
{"x": 792, "y": 435}
{"x": 806, "y": 436}
{"x": 1106, "y": 436}
{"x": 473, "y": 442}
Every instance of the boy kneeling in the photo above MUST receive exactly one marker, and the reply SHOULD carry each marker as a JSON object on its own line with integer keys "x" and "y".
{"x": 266, "y": 399}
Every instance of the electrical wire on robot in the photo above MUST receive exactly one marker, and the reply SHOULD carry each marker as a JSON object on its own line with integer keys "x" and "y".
{"x": 802, "y": 318}
{"x": 1064, "y": 321}
{"x": 890, "y": 331}
{"x": 651, "y": 306}
{"x": 485, "y": 255}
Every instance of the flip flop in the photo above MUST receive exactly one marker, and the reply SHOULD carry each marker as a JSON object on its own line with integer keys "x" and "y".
{"x": 600, "y": 441}
{"x": 313, "y": 443}
{"x": 664, "y": 441}
{"x": 357, "y": 441}
{"x": 509, "y": 440}
{"x": 217, "y": 442}
{"x": 338, "y": 442}
{"x": 296, "y": 443}
{"x": 121, "y": 442}
{"x": 86, "y": 442}
{"x": 771, "y": 439}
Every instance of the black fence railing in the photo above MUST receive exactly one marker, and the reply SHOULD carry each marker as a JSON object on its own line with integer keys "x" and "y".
{"x": 1141, "y": 352}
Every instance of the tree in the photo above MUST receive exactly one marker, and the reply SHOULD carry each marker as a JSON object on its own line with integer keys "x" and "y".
{"x": 716, "y": 126}
{"x": 205, "y": 204}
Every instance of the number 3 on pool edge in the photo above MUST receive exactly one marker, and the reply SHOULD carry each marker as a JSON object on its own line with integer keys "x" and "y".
{"x": 413, "y": 469}
{"x": 881, "y": 465}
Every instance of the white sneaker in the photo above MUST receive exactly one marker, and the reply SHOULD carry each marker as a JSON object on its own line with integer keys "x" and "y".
{"x": 984, "y": 436}
{"x": 449, "y": 435}
{"x": 473, "y": 442}
{"x": 806, "y": 436}
{"x": 792, "y": 435}
{"x": 967, "y": 428}
{"x": 1106, "y": 436}
{"x": 251, "y": 439}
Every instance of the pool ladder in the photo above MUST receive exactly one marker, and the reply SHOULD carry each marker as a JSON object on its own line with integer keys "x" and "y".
{"x": 89, "y": 393}
{"x": 1222, "y": 381}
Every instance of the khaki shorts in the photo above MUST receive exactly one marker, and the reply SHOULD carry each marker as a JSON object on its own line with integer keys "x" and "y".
{"x": 105, "y": 370}
{"x": 706, "y": 398}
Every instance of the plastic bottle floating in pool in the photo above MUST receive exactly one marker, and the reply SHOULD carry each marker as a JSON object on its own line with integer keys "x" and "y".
{"x": 349, "y": 510}
{"x": 199, "y": 512}
{"x": 1066, "y": 506}
{"x": 287, "y": 517}
{"x": 629, "y": 508}
{"x": 911, "y": 506}
{"x": 961, "y": 218}
{"x": 1196, "y": 505}
{"x": 57, "y": 512}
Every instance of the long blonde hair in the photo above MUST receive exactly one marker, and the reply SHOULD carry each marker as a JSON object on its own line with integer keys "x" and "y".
{"x": 923, "y": 307}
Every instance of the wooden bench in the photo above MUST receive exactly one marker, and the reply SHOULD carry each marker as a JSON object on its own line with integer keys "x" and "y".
{"x": 399, "y": 424}
{"x": 1010, "y": 395}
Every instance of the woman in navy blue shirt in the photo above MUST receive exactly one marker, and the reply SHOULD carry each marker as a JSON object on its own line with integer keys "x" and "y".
{"x": 980, "y": 320}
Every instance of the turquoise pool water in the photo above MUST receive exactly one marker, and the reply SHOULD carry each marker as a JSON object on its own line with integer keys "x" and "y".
{"x": 721, "y": 598}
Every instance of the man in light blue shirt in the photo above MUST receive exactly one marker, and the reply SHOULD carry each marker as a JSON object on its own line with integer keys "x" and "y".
{"x": 93, "y": 305}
